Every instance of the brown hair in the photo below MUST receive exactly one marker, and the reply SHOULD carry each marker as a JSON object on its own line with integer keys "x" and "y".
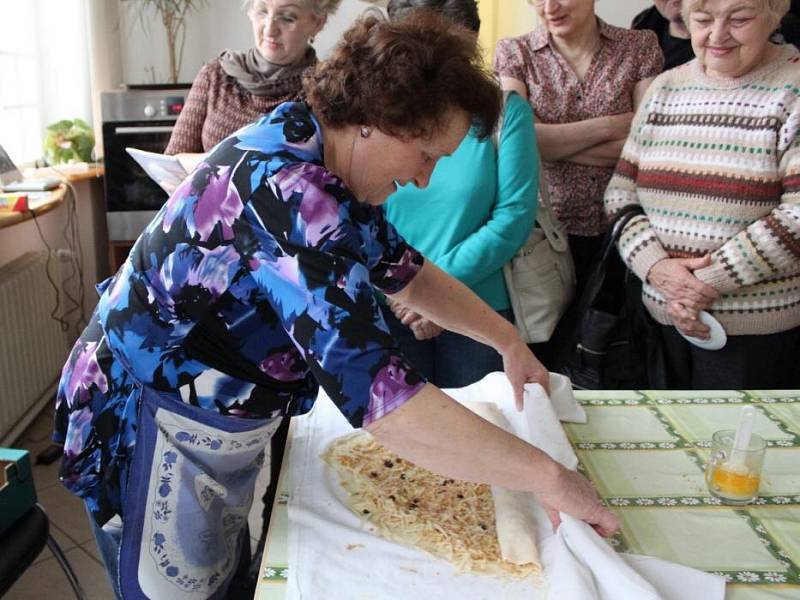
{"x": 402, "y": 76}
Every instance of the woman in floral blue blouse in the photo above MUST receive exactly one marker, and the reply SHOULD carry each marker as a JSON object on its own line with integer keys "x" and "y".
{"x": 254, "y": 285}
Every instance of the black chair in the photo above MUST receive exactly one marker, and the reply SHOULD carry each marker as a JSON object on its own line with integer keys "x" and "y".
{"x": 22, "y": 543}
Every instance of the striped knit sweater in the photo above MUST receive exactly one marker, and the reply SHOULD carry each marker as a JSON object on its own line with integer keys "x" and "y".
{"x": 715, "y": 164}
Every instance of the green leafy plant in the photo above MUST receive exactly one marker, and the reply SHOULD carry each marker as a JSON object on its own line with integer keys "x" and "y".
{"x": 173, "y": 16}
{"x": 68, "y": 141}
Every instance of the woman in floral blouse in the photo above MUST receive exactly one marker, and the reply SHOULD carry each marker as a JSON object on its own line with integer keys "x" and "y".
{"x": 254, "y": 285}
{"x": 584, "y": 80}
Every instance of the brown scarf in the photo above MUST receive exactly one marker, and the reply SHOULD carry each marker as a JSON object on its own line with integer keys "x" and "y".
{"x": 260, "y": 77}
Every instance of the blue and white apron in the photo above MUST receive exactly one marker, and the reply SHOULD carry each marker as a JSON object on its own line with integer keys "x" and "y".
{"x": 190, "y": 489}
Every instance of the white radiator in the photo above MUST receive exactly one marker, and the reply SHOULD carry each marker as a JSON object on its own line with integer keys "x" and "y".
{"x": 32, "y": 344}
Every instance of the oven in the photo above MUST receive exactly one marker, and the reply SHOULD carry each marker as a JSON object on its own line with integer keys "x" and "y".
{"x": 140, "y": 117}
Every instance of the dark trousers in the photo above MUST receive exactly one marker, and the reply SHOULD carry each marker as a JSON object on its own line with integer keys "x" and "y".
{"x": 449, "y": 360}
{"x": 746, "y": 362}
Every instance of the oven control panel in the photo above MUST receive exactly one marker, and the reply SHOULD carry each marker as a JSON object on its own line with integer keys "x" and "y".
{"x": 142, "y": 105}
{"x": 166, "y": 107}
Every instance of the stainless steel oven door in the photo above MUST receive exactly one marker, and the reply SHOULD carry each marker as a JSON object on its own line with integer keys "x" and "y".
{"x": 132, "y": 198}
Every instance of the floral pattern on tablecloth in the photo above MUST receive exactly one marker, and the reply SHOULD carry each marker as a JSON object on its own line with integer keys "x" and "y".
{"x": 656, "y": 485}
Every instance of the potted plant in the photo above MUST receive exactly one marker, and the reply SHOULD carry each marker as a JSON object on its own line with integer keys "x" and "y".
{"x": 68, "y": 141}
{"x": 173, "y": 16}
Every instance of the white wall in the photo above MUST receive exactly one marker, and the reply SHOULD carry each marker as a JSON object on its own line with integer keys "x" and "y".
{"x": 221, "y": 24}
{"x": 620, "y": 12}
{"x": 105, "y": 59}
{"x": 217, "y": 25}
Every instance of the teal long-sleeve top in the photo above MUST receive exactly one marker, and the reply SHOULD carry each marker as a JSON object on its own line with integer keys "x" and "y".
{"x": 479, "y": 206}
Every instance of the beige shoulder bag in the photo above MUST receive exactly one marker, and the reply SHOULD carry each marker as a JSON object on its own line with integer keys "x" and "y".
{"x": 540, "y": 278}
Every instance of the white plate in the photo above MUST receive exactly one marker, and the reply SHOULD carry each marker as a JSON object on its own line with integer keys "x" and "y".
{"x": 717, "y": 337}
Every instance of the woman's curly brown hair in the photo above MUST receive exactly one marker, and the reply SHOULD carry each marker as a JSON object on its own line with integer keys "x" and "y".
{"x": 402, "y": 76}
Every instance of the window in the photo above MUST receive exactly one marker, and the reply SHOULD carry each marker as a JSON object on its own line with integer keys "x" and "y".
{"x": 20, "y": 110}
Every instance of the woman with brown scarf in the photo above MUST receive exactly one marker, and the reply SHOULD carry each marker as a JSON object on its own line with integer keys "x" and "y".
{"x": 237, "y": 88}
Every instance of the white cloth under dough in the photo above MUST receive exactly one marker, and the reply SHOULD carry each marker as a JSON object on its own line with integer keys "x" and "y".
{"x": 334, "y": 555}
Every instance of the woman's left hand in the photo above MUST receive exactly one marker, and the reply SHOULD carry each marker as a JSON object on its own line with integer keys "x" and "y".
{"x": 521, "y": 367}
{"x": 686, "y": 321}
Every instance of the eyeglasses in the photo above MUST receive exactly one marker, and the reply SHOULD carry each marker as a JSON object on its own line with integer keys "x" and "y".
{"x": 284, "y": 20}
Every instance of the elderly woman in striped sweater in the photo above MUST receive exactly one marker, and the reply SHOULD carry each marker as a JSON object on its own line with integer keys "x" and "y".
{"x": 713, "y": 159}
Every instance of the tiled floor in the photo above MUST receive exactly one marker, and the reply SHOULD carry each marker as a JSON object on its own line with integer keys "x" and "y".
{"x": 44, "y": 580}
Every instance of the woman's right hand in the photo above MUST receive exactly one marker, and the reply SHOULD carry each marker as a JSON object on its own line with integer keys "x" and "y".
{"x": 687, "y": 322}
{"x": 618, "y": 126}
{"x": 422, "y": 328}
{"x": 572, "y": 493}
{"x": 674, "y": 279}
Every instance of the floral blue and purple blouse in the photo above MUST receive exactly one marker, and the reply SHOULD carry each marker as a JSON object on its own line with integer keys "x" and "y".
{"x": 251, "y": 287}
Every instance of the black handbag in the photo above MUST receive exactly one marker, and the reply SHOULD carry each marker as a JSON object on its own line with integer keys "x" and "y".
{"x": 602, "y": 340}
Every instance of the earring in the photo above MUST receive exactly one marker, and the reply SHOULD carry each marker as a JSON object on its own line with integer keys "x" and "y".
{"x": 365, "y": 132}
{"x": 311, "y": 39}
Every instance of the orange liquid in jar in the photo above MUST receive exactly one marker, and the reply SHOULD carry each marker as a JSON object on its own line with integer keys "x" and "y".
{"x": 735, "y": 483}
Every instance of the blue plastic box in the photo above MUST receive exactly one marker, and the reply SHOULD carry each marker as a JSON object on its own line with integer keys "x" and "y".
{"x": 17, "y": 492}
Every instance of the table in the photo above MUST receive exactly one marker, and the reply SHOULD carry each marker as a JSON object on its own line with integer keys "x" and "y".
{"x": 646, "y": 451}
{"x": 49, "y": 201}
{"x": 44, "y": 203}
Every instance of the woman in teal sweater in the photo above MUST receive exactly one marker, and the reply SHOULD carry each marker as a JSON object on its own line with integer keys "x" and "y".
{"x": 476, "y": 212}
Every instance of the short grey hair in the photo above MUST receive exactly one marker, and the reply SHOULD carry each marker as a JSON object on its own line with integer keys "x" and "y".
{"x": 318, "y": 7}
{"x": 775, "y": 9}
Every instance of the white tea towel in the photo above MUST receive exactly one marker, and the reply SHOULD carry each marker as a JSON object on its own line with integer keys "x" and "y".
{"x": 562, "y": 398}
{"x": 334, "y": 554}
{"x": 584, "y": 566}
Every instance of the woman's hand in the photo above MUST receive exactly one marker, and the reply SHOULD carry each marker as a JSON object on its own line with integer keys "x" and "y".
{"x": 404, "y": 314}
{"x": 572, "y": 493}
{"x": 521, "y": 367}
{"x": 424, "y": 329}
{"x": 686, "y": 321}
{"x": 618, "y": 126}
{"x": 674, "y": 279}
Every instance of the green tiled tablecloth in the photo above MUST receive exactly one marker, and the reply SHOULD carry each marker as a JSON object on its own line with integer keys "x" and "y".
{"x": 645, "y": 452}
